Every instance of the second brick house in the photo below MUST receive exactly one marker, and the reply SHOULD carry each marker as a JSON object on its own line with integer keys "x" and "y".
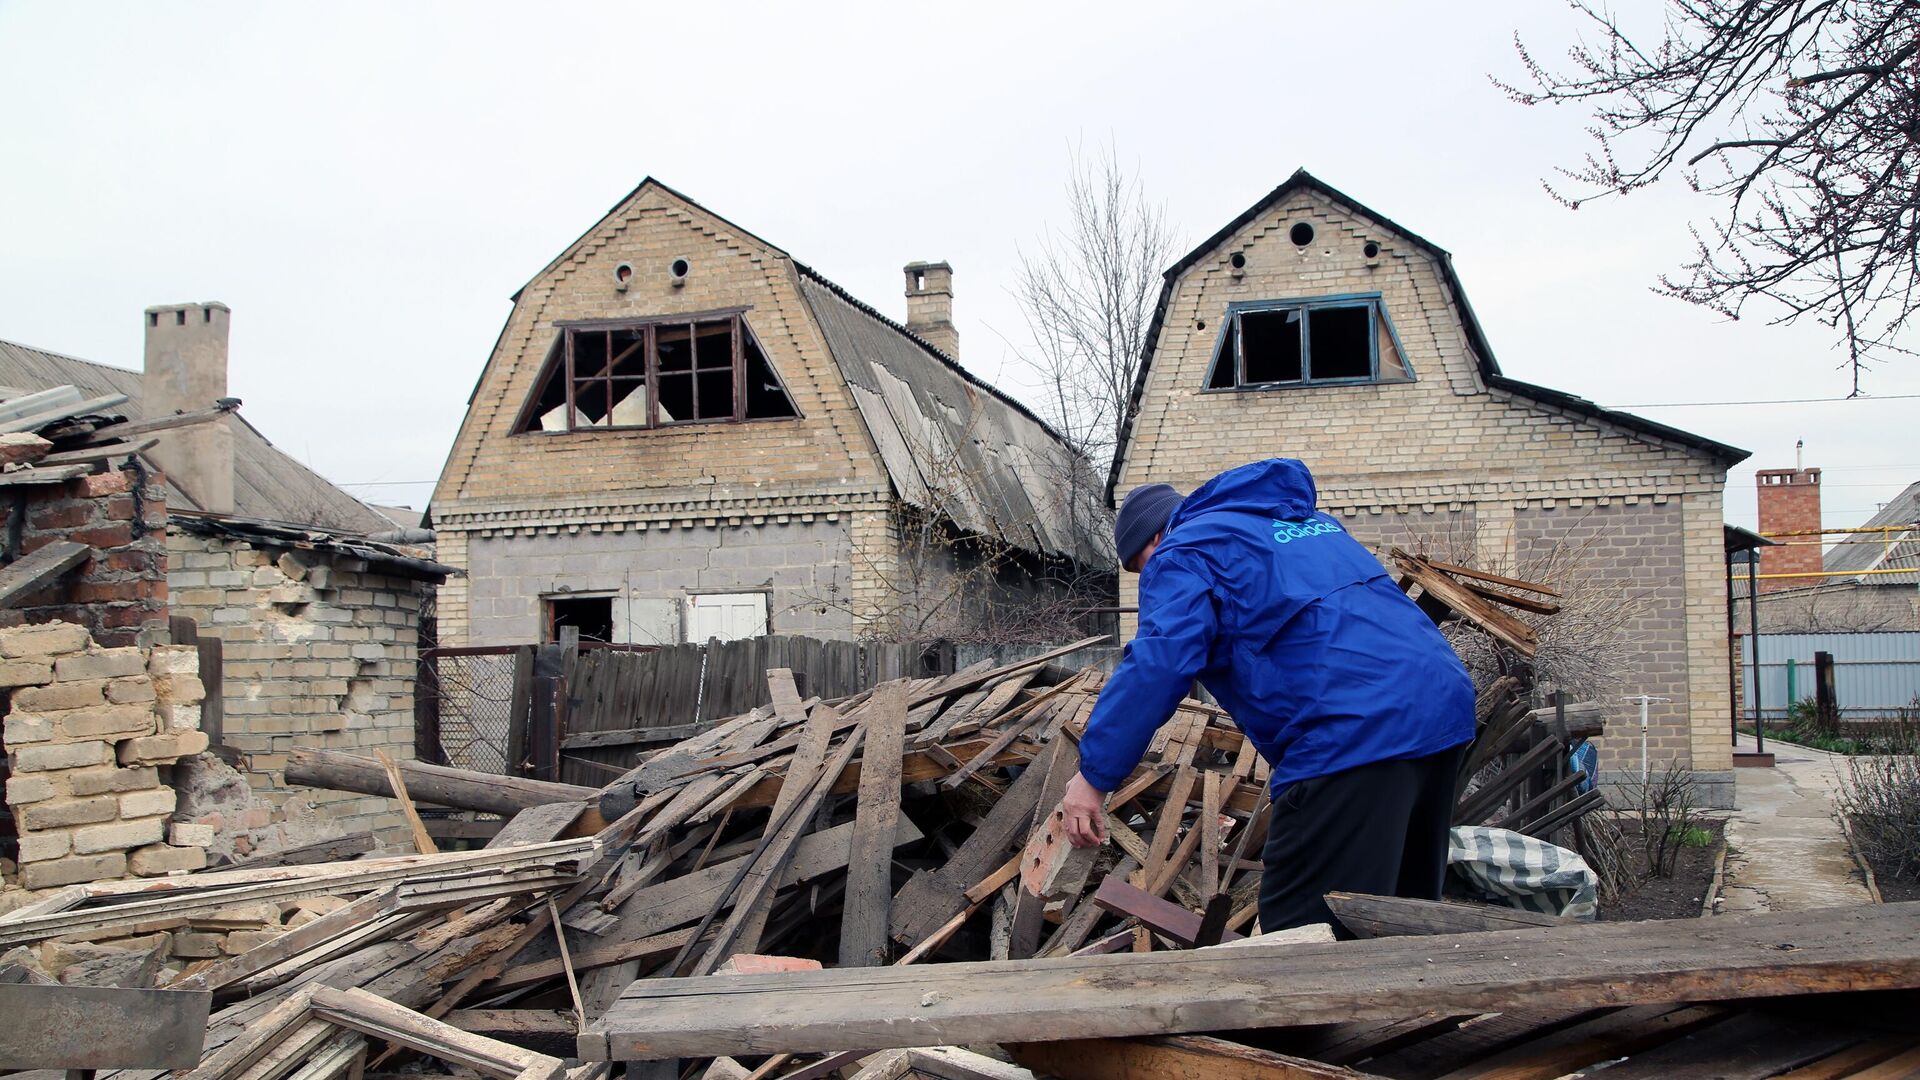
{"x": 1313, "y": 327}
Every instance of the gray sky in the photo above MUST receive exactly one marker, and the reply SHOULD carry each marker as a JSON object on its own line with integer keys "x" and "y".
{"x": 365, "y": 184}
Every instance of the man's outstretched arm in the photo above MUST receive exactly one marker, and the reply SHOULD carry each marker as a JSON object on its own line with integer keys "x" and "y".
{"x": 1177, "y": 625}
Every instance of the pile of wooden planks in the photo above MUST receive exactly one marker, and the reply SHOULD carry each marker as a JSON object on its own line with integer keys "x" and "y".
{"x": 911, "y": 824}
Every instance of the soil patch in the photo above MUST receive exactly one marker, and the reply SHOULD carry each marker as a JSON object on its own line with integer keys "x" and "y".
{"x": 1895, "y": 890}
{"x": 1678, "y": 896}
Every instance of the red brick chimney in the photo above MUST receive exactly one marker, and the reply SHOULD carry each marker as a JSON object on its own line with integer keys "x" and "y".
{"x": 1790, "y": 503}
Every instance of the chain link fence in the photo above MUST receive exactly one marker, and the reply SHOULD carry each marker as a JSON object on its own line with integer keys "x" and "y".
{"x": 467, "y": 700}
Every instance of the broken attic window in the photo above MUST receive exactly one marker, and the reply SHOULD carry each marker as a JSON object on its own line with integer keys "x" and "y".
{"x": 657, "y": 372}
{"x": 1298, "y": 343}
{"x": 592, "y": 614}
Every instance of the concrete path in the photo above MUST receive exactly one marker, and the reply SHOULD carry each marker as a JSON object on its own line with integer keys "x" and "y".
{"x": 1785, "y": 851}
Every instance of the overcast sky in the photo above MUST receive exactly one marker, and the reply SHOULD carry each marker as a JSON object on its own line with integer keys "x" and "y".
{"x": 366, "y": 184}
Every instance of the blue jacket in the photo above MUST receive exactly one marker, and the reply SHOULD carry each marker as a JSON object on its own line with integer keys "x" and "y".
{"x": 1292, "y": 625}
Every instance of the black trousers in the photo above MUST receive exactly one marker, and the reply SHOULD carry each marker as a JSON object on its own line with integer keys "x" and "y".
{"x": 1379, "y": 829}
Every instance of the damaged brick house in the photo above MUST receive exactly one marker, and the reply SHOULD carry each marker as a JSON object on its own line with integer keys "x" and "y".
{"x": 314, "y": 598}
{"x": 683, "y": 434}
{"x": 1313, "y": 327}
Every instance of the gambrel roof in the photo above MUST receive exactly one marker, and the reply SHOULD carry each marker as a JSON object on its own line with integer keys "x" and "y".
{"x": 949, "y": 442}
{"x": 1489, "y": 368}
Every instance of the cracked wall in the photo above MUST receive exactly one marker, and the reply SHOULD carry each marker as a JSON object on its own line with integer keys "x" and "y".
{"x": 319, "y": 652}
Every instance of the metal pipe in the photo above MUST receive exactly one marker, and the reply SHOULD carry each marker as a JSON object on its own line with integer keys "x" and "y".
{"x": 1753, "y": 635}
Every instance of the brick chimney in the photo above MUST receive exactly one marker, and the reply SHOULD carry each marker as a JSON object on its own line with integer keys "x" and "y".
{"x": 1790, "y": 503}
{"x": 186, "y": 371}
{"x": 930, "y": 305}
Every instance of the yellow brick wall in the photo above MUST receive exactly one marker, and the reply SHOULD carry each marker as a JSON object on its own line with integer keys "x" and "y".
{"x": 699, "y": 475}
{"x": 1442, "y": 445}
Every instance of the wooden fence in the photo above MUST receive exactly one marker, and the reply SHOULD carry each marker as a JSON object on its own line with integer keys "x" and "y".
{"x": 583, "y": 715}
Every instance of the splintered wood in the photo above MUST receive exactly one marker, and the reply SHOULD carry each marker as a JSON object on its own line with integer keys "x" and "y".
{"x": 912, "y": 824}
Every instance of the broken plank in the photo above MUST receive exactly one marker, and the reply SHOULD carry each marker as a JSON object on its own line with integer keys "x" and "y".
{"x": 1389, "y": 916}
{"x": 931, "y": 897}
{"x": 1169, "y": 1057}
{"x": 1164, "y": 917}
{"x": 42, "y": 567}
{"x": 867, "y": 906}
{"x": 1601, "y": 964}
{"x": 333, "y": 924}
{"x": 638, "y": 736}
{"x": 770, "y": 859}
{"x": 422, "y": 843}
{"x": 538, "y": 824}
{"x": 31, "y": 476}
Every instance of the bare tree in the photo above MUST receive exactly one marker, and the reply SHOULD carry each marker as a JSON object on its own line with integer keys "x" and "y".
{"x": 1802, "y": 116}
{"x": 1087, "y": 292}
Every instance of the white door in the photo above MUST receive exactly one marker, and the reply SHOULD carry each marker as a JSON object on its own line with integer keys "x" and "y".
{"x": 646, "y": 621}
{"x": 727, "y": 616}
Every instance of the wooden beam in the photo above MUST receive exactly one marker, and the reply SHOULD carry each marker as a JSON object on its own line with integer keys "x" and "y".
{"x": 1589, "y": 965}
{"x": 868, "y": 903}
{"x": 1391, "y": 916}
{"x": 438, "y": 785}
{"x": 35, "y": 571}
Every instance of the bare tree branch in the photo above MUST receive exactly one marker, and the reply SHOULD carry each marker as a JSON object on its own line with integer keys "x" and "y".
{"x": 1819, "y": 173}
{"x": 1087, "y": 291}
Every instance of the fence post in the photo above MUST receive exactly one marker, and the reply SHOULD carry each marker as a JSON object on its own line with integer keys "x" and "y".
{"x": 1826, "y": 701}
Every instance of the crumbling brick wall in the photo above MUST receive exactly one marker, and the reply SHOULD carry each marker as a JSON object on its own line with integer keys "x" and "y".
{"x": 121, "y": 592}
{"x": 88, "y": 731}
{"x": 319, "y": 652}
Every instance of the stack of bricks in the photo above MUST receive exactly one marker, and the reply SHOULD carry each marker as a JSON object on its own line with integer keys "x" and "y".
{"x": 320, "y": 651}
{"x": 121, "y": 593}
{"x": 86, "y": 731}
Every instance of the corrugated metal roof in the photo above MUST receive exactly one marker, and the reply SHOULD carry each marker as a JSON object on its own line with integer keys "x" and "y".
{"x": 1870, "y": 551}
{"x": 954, "y": 445}
{"x": 267, "y": 484}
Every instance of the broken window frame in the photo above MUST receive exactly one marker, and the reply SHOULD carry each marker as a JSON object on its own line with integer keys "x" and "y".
{"x": 562, "y": 363}
{"x": 1232, "y": 332}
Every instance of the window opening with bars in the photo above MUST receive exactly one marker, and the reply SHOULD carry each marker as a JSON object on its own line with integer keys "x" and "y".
{"x": 656, "y": 373}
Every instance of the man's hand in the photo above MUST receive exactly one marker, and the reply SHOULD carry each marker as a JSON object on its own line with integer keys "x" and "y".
{"x": 1085, "y": 807}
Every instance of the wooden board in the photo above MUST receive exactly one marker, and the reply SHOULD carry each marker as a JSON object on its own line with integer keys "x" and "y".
{"x": 868, "y": 902}
{"x": 1390, "y": 916}
{"x": 1260, "y": 986}
{"x": 32, "y": 572}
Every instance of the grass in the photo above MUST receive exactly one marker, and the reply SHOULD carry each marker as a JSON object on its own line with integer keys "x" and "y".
{"x": 1899, "y": 735}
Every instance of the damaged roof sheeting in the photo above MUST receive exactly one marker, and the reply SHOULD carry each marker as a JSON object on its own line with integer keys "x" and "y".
{"x": 398, "y": 560}
{"x": 1896, "y": 549}
{"x": 267, "y": 483}
{"x": 955, "y": 446}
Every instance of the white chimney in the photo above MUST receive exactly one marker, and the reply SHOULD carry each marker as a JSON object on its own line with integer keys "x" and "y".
{"x": 930, "y": 305}
{"x": 186, "y": 372}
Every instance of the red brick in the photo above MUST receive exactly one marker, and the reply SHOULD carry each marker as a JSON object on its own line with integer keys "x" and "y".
{"x": 106, "y": 536}
{"x": 86, "y": 593}
{"x": 109, "y": 483}
{"x": 138, "y": 561}
{"x": 120, "y": 508}
{"x": 62, "y": 515}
